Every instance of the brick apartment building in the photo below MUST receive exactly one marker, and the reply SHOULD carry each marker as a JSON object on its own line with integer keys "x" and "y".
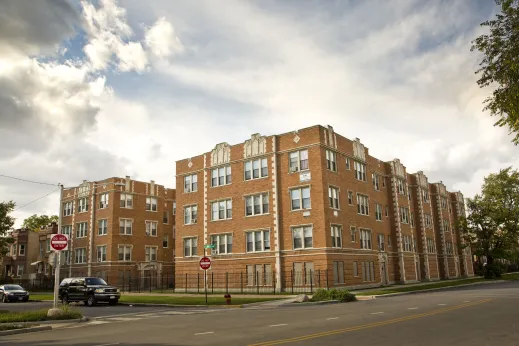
{"x": 22, "y": 253}
{"x": 119, "y": 228}
{"x": 311, "y": 206}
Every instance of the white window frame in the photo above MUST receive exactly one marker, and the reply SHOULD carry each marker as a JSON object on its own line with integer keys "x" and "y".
{"x": 80, "y": 253}
{"x": 67, "y": 229}
{"x": 353, "y": 234}
{"x": 68, "y": 208}
{"x": 82, "y": 205}
{"x": 333, "y": 197}
{"x": 221, "y": 210}
{"x": 331, "y": 160}
{"x": 336, "y": 232}
{"x": 407, "y": 241}
{"x": 400, "y": 186}
{"x": 126, "y": 252}
{"x": 103, "y": 200}
{"x": 191, "y": 241}
{"x": 360, "y": 170}
{"x": 376, "y": 181}
{"x": 265, "y": 234}
{"x": 362, "y": 204}
{"x": 366, "y": 240}
{"x": 151, "y": 204}
{"x": 175, "y": 208}
{"x": 250, "y": 202}
{"x": 124, "y": 223}
{"x": 216, "y": 239}
{"x": 102, "y": 227}
{"x": 301, "y": 199}
{"x": 192, "y": 211}
{"x": 348, "y": 164}
{"x": 21, "y": 249}
{"x": 81, "y": 232}
{"x": 151, "y": 253}
{"x": 151, "y": 228}
{"x": 250, "y": 166}
{"x": 101, "y": 251}
{"x": 302, "y": 232}
{"x": 381, "y": 242}
{"x": 165, "y": 240}
{"x": 404, "y": 215}
{"x": 126, "y": 201}
{"x": 378, "y": 212}
{"x": 297, "y": 162}
{"x": 190, "y": 183}
{"x": 18, "y": 269}
{"x": 221, "y": 176}
{"x": 425, "y": 195}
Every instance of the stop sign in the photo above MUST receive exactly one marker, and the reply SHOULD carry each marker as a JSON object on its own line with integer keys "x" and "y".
{"x": 59, "y": 242}
{"x": 205, "y": 263}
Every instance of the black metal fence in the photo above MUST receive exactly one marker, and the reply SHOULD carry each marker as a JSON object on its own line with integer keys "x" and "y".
{"x": 35, "y": 285}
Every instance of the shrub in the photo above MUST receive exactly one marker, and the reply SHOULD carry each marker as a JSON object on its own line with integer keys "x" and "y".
{"x": 494, "y": 271}
{"x": 333, "y": 294}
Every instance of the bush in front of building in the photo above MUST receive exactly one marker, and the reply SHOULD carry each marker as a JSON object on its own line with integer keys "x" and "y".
{"x": 333, "y": 294}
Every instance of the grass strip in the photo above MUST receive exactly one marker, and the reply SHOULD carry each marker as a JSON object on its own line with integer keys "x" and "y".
{"x": 38, "y": 315}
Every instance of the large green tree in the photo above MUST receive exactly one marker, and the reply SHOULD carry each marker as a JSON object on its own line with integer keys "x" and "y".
{"x": 34, "y": 222}
{"x": 6, "y": 223}
{"x": 499, "y": 66}
{"x": 492, "y": 224}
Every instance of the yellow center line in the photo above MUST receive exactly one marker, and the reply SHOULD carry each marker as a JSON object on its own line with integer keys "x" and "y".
{"x": 370, "y": 325}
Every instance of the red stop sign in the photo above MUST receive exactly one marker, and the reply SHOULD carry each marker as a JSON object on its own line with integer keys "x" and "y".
{"x": 59, "y": 242}
{"x": 205, "y": 263}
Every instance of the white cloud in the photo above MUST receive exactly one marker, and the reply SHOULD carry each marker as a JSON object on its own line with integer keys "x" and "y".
{"x": 161, "y": 39}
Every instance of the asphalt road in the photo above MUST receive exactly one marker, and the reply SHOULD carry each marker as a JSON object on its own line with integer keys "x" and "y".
{"x": 483, "y": 315}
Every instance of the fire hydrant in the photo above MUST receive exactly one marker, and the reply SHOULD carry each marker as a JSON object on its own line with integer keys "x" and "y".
{"x": 227, "y": 299}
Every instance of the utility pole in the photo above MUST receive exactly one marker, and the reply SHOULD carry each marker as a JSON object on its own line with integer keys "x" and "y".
{"x": 57, "y": 254}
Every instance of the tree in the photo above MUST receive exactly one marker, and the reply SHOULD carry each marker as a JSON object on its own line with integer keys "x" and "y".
{"x": 499, "y": 67}
{"x": 6, "y": 223}
{"x": 34, "y": 222}
{"x": 492, "y": 224}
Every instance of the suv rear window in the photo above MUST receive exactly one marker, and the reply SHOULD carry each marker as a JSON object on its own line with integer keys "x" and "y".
{"x": 95, "y": 281}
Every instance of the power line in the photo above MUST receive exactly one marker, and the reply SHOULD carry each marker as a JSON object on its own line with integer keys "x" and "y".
{"x": 28, "y": 181}
{"x": 37, "y": 199}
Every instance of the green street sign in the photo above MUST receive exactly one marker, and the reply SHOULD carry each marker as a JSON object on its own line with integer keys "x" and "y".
{"x": 210, "y": 246}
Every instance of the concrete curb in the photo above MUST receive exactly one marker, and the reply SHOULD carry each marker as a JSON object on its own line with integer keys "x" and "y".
{"x": 24, "y": 330}
{"x": 438, "y": 289}
{"x": 325, "y": 302}
{"x": 183, "y": 306}
{"x": 77, "y": 320}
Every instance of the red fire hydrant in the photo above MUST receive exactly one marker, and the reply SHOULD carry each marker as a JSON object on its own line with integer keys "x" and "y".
{"x": 227, "y": 299}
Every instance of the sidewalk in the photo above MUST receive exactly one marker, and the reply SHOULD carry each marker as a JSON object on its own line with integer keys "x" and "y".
{"x": 219, "y": 295}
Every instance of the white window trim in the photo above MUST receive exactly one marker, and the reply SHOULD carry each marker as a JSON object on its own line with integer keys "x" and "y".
{"x": 301, "y": 229}
{"x": 98, "y": 247}
{"x": 104, "y": 228}
{"x": 261, "y": 176}
{"x": 126, "y": 199}
{"x": 191, "y": 184}
{"x": 331, "y": 157}
{"x": 331, "y": 190}
{"x": 150, "y": 247}
{"x": 227, "y": 211}
{"x": 217, "y": 249}
{"x": 125, "y": 226}
{"x": 227, "y": 171}
{"x": 338, "y": 228}
{"x": 301, "y": 188}
{"x": 190, "y": 207}
{"x": 293, "y": 169}
{"x": 76, "y": 251}
{"x": 125, "y": 247}
{"x": 85, "y": 231}
{"x": 150, "y": 222}
{"x": 359, "y": 195}
{"x": 190, "y": 247}
{"x": 252, "y": 197}
{"x": 254, "y": 240}
{"x": 363, "y": 241}
{"x": 103, "y": 202}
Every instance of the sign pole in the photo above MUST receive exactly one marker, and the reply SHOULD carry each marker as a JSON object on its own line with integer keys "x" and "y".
{"x": 205, "y": 284}
{"x": 58, "y": 253}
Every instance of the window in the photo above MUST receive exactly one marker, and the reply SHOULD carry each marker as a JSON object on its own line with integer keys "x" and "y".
{"x": 415, "y": 246}
{"x": 222, "y": 243}
{"x": 256, "y": 169}
{"x": 338, "y": 272}
{"x": 19, "y": 270}
{"x": 428, "y": 220}
{"x": 221, "y": 210}
{"x": 381, "y": 242}
{"x": 348, "y": 167}
{"x": 260, "y": 274}
{"x": 191, "y": 183}
{"x": 425, "y": 196}
{"x": 103, "y": 201}
{"x": 362, "y": 205}
{"x": 101, "y": 253}
{"x": 67, "y": 257}
{"x": 443, "y": 201}
{"x": 449, "y": 248}
{"x": 407, "y": 243}
{"x": 331, "y": 162}
{"x": 336, "y": 236}
{"x": 48, "y": 244}
{"x": 387, "y": 211}
{"x": 221, "y": 176}
{"x": 350, "y": 197}
{"x": 411, "y": 219}
{"x": 300, "y": 198}
{"x": 378, "y": 212}
{"x": 126, "y": 201}
{"x": 365, "y": 239}
{"x": 333, "y": 196}
{"x": 400, "y": 184}
{"x": 404, "y": 215}
{"x": 80, "y": 255}
{"x": 353, "y": 233}
{"x": 446, "y": 226}
{"x": 355, "y": 269}
{"x": 165, "y": 216}
{"x": 190, "y": 214}
{"x": 383, "y": 182}
{"x": 174, "y": 208}
{"x": 82, "y": 205}
{"x": 431, "y": 247}
{"x": 302, "y": 237}
{"x": 68, "y": 208}
{"x": 376, "y": 181}
{"x": 125, "y": 226}
{"x": 151, "y": 228}
{"x": 368, "y": 271}
{"x": 21, "y": 250}
{"x": 151, "y": 203}
{"x": 409, "y": 193}
{"x": 165, "y": 241}
{"x": 81, "y": 230}
{"x": 360, "y": 171}
{"x": 103, "y": 227}
{"x": 388, "y": 241}
{"x": 257, "y": 204}
{"x": 124, "y": 252}
{"x": 298, "y": 161}
{"x": 190, "y": 247}
{"x": 258, "y": 241}
{"x": 150, "y": 254}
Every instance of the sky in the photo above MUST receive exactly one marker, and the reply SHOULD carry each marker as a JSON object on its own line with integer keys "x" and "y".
{"x": 102, "y": 88}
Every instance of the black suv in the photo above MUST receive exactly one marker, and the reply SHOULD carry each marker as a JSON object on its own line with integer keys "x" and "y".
{"x": 88, "y": 290}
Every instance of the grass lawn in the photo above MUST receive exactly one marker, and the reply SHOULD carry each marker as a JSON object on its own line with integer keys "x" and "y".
{"x": 420, "y": 288}
{"x": 511, "y": 276}
{"x": 184, "y": 300}
{"x": 36, "y": 315}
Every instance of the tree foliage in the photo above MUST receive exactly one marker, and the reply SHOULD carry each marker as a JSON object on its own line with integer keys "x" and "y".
{"x": 34, "y": 222}
{"x": 499, "y": 67}
{"x": 6, "y": 223}
{"x": 492, "y": 224}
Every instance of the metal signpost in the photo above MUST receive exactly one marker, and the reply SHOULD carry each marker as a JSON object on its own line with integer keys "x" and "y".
{"x": 58, "y": 242}
{"x": 205, "y": 263}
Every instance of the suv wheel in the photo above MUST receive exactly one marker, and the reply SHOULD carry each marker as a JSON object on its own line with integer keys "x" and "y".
{"x": 91, "y": 301}
{"x": 64, "y": 299}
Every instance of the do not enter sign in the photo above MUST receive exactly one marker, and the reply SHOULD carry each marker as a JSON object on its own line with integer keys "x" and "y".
{"x": 205, "y": 263}
{"x": 59, "y": 242}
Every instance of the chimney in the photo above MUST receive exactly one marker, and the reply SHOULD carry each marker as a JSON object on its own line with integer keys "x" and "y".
{"x": 152, "y": 187}
{"x": 128, "y": 180}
